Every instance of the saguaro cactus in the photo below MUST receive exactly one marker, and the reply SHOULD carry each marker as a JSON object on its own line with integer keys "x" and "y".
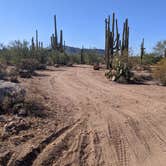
{"x": 55, "y": 35}
{"x": 61, "y": 41}
{"x": 54, "y": 38}
{"x": 112, "y": 43}
{"x": 142, "y": 50}
{"x": 165, "y": 53}
{"x": 125, "y": 39}
{"x": 112, "y": 40}
{"x": 82, "y": 55}
{"x": 41, "y": 45}
{"x": 32, "y": 44}
{"x": 37, "y": 44}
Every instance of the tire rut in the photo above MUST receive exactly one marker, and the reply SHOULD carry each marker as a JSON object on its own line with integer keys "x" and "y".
{"x": 29, "y": 158}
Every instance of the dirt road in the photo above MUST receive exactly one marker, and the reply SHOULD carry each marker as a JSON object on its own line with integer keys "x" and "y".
{"x": 112, "y": 124}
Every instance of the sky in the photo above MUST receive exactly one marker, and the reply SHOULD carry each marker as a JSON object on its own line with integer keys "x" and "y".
{"x": 82, "y": 21}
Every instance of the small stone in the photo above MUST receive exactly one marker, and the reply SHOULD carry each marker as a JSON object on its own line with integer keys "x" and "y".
{"x": 113, "y": 78}
{"x": 22, "y": 112}
{"x": 2, "y": 119}
{"x": 96, "y": 66}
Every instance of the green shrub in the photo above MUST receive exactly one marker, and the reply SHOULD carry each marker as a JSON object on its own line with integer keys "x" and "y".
{"x": 159, "y": 71}
{"x": 3, "y": 72}
{"x": 28, "y": 64}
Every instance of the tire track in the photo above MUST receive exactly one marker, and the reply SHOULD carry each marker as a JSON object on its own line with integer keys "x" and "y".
{"x": 29, "y": 158}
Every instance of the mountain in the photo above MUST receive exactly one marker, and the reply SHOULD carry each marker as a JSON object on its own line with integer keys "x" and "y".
{"x": 75, "y": 50}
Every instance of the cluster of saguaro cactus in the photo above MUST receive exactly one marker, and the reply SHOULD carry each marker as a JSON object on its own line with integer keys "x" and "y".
{"x": 142, "y": 50}
{"x": 54, "y": 38}
{"x": 113, "y": 44}
{"x": 38, "y": 45}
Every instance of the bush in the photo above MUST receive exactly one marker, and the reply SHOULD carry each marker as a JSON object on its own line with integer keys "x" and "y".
{"x": 28, "y": 64}
{"x": 150, "y": 59}
{"x": 3, "y": 72}
{"x": 159, "y": 71}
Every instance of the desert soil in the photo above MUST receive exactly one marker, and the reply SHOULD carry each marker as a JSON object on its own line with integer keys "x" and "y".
{"x": 93, "y": 122}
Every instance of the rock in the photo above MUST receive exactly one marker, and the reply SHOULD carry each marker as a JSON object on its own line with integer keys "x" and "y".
{"x": 17, "y": 107}
{"x": 14, "y": 127}
{"x": 56, "y": 65}
{"x": 5, "y": 157}
{"x": 113, "y": 78}
{"x": 69, "y": 64}
{"x": 25, "y": 73}
{"x": 3, "y": 119}
{"x": 14, "y": 79}
{"x": 22, "y": 112}
{"x": 122, "y": 80}
{"x": 10, "y": 94}
{"x": 41, "y": 67}
{"x": 96, "y": 67}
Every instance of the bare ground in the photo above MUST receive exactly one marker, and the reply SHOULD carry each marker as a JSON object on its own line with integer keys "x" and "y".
{"x": 92, "y": 121}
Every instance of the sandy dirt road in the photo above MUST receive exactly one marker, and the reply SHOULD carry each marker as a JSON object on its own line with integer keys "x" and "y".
{"x": 112, "y": 124}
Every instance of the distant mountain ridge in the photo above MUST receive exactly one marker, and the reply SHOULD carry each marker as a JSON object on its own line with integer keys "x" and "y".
{"x": 75, "y": 50}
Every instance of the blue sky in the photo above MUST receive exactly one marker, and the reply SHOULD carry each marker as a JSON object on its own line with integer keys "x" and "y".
{"x": 82, "y": 21}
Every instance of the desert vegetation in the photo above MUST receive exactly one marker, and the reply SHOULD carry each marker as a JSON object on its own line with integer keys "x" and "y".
{"x": 81, "y": 108}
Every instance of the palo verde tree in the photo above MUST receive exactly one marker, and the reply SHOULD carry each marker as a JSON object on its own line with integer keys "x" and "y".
{"x": 160, "y": 48}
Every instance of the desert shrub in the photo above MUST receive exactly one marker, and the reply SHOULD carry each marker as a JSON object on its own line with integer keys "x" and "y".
{"x": 75, "y": 58}
{"x": 28, "y": 64}
{"x": 13, "y": 74}
{"x": 159, "y": 71}
{"x": 150, "y": 59}
{"x": 91, "y": 58}
{"x": 134, "y": 60}
{"x": 55, "y": 57}
{"x": 3, "y": 72}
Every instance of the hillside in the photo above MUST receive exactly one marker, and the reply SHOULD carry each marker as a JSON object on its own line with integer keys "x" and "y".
{"x": 75, "y": 50}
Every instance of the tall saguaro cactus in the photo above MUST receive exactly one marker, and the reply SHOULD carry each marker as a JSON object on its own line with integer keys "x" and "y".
{"x": 32, "y": 44}
{"x": 37, "y": 43}
{"x": 125, "y": 39}
{"x": 112, "y": 40}
{"x": 61, "y": 41}
{"x": 55, "y": 35}
{"x": 82, "y": 55}
{"x": 54, "y": 38}
{"x": 142, "y": 50}
{"x": 112, "y": 43}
